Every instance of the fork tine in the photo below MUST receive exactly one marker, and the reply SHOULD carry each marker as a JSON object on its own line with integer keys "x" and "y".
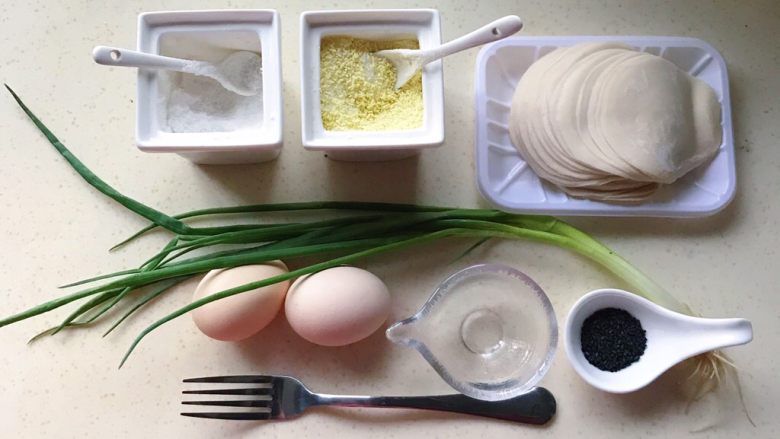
{"x": 246, "y": 391}
{"x": 232, "y": 379}
{"x": 241, "y": 403}
{"x": 237, "y": 416}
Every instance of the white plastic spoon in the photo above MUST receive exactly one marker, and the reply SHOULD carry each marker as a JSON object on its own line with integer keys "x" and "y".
{"x": 671, "y": 338}
{"x": 407, "y": 61}
{"x": 240, "y": 72}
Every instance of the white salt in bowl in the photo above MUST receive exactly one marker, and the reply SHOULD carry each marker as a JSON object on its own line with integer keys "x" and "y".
{"x": 370, "y": 24}
{"x": 220, "y": 127}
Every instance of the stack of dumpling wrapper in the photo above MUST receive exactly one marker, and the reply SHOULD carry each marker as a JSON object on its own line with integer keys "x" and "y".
{"x": 605, "y": 122}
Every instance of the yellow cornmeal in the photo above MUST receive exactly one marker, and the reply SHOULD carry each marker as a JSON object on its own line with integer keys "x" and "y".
{"x": 357, "y": 88}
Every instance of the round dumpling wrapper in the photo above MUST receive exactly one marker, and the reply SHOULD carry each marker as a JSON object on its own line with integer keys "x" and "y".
{"x": 657, "y": 117}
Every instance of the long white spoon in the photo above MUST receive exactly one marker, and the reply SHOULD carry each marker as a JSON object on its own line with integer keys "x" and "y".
{"x": 671, "y": 338}
{"x": 407, "y": 61}
{"x": 240, "y": 72}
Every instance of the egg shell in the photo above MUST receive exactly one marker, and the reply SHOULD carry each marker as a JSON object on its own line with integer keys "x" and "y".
{"x": 243, "y": 315}
{"x": 337, "y": 306}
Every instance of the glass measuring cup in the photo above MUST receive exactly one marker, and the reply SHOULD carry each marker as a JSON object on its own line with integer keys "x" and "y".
{"x": 488, "y": 330}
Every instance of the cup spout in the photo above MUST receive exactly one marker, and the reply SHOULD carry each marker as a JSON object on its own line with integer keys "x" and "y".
{"x": 402, "y": 333}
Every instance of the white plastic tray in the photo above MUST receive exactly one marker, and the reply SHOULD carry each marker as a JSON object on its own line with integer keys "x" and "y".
{"x": 506, "y": 181}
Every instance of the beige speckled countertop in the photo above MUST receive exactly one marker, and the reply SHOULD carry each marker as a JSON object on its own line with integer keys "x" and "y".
{"x": 54, "y": 228}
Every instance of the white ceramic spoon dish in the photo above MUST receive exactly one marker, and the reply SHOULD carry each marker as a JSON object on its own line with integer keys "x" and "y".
{"x": 671, "y": 338}
{"x": 240, "y": 72}
{"x": 407, "y": 62}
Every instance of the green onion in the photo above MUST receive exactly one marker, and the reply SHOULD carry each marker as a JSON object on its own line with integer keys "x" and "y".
{"x": 362, "y": 229}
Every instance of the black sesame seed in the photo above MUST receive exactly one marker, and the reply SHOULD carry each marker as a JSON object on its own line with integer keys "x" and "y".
{"x": 612, "y": 339}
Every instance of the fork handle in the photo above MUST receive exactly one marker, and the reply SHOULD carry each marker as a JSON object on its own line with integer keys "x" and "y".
{"x": 534, "y": 407}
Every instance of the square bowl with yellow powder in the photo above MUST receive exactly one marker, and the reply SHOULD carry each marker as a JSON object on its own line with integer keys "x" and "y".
{"x": 349, "y": 106}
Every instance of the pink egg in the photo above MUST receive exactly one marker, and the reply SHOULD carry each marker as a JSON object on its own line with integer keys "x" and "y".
{"x": 338, "y": 306}
{"x": 238, "y": 317}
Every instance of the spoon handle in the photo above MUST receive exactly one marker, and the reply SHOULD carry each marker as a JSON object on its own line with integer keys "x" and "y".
{"x": 706, "y": 334}
{"x": 113, "y": 56}
{"x": 494, "y": 31}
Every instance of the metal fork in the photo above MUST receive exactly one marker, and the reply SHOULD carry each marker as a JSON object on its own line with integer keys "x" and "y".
{"x": 283, "y": 397}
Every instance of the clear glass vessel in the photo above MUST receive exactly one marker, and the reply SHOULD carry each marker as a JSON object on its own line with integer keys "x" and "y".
{"x": 488, "y": 330}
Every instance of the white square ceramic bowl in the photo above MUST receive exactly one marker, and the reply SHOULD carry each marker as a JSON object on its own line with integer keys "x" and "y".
{"x": 422, "y": 24}
{"x": 213, "y": 32}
